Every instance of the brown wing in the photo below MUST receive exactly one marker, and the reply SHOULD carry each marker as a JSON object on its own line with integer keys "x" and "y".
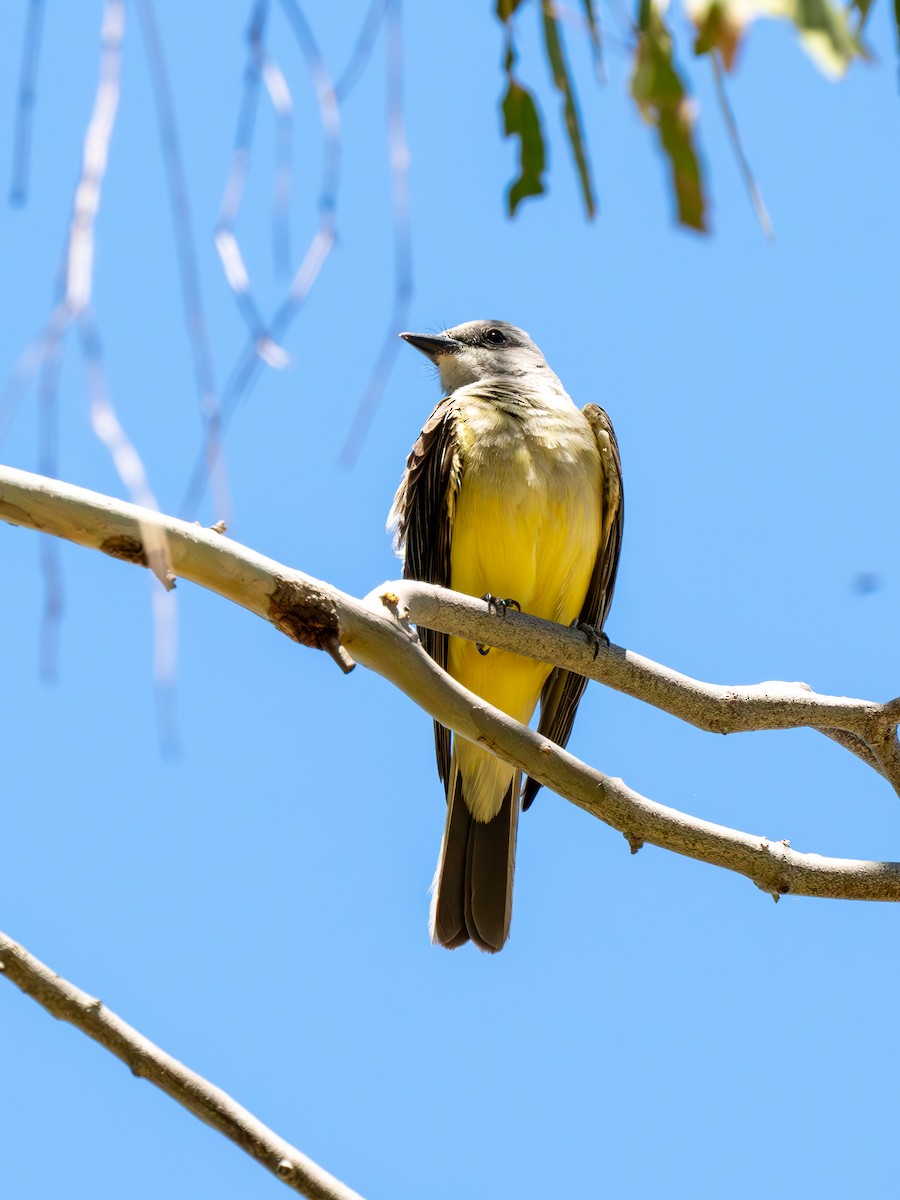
{"x": 423, "y": 510}
{"x": 563, "y": 689}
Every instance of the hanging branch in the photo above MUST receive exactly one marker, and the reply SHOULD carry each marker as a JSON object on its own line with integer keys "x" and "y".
{"x": 264, "y": 342}
{"x": 398, "y": 153}
{"x": 18, "y": 188}
{"x": 186, "y": 251}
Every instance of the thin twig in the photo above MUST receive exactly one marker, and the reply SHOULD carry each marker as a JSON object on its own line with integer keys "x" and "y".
{"x": 265, "y": 346}
{"x": 19, "y": 381}
{"x": 48, "y": 460}
{"x": 109, "y": 430}
{"x": 588, "y": 24}
{"x": 227, "y": 244}
{"x": 73, "y": 294}
{"x": 74, "y": 291}
{"x": 18, "y": 188}
{"x": 282, "y": 104}
{"x": 80, "y": 256}
{"x": 330, "y": 118}
{"x": 261, "y": 67}
{"x": 362, "y": 50}
{"x": 398, "y": 147}
{"x": 756, "y": 199}
{"x": 146, "y": 1060}
{"x": 188, "y": 270}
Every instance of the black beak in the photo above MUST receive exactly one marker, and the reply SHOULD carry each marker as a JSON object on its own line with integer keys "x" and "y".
{"x": 434, "y": 345}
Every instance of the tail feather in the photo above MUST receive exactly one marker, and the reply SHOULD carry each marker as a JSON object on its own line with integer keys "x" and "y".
{"x": 474, "y": 880}
{"x": 448, "y": 905}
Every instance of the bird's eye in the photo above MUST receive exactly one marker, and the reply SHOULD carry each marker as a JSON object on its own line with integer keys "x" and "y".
{"x": 495, "y": 337}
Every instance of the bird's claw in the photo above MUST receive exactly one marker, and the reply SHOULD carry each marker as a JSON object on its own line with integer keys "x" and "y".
{"x": 595, "y": 637}
{"x": 497, "y": 605}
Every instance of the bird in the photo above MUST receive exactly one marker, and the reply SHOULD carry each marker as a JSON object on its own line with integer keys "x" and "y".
{"x": 513, "y": 494}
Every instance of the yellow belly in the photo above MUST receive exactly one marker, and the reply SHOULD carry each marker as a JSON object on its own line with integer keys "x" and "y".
{"x": 525, "y": 528}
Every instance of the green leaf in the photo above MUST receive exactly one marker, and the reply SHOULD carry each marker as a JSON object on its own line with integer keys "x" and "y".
{"x": 825, "y": 29}
{"x": 561, "y": 79}
{"x": 709, "y": 28}
{"x": 663, "y": 102}
{"x": 826, "y": 35}
{"x": 522, "y": 120}
{"x": 717, "y": 30}
{"x": 862, "y": 8}
{"x": 593, "y": 25}
{"x": 506, "y": 9}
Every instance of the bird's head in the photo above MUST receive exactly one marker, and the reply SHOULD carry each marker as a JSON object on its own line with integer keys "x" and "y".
{"x": 480, "y": 350}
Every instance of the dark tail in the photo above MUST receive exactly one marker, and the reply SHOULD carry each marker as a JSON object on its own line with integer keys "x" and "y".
{"x": 474, "y": 881}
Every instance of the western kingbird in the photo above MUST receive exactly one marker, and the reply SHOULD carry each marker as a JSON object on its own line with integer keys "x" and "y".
{"x": 513, "y": 494}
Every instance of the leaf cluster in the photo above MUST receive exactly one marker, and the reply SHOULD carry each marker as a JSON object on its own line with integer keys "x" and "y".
{"x": 659, "y": 84}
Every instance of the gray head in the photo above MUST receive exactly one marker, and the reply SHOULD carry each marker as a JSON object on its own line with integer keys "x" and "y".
{"x": 481, "y": 350}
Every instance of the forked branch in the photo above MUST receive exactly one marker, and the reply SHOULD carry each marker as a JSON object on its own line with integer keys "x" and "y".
{"x": 377, "y": 632}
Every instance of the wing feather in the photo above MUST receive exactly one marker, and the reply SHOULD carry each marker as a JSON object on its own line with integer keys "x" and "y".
{"x": 423, "y": 515}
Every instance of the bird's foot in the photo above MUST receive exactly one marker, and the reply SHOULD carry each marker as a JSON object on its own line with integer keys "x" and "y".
{"x": 495, "y": 604}
{"x": 595, "y": 637}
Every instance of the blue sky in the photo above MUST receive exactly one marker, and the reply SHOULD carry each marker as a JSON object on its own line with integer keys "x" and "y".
{"x": 257, "y": 902}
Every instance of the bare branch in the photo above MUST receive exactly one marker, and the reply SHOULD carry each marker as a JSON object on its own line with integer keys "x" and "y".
{"x": 864, "y": 727}
{"x": 377, "y": 633}
{"x": 147, "y": 1061}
